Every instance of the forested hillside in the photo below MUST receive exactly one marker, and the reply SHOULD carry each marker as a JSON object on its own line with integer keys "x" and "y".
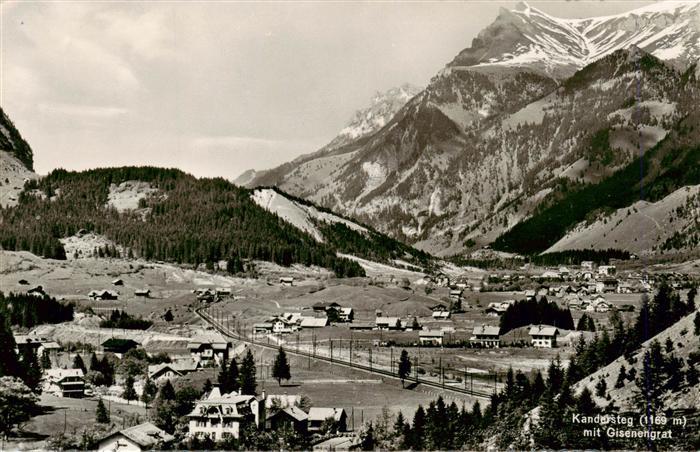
{"x": 671, "y": 164}
{"x": 187, "y": 220}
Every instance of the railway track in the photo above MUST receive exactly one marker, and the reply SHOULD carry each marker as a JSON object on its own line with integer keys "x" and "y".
{"x": 339, "y": 362}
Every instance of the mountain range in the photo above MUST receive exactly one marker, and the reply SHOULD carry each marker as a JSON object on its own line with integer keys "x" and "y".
{"x": 536, "y": 110}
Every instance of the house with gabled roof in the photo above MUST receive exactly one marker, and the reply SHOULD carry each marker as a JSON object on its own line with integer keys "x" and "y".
{"x": 543, "y": 336}
{"x": 388, "y": 323}
{"x": 207, "y": 350}
{"x": 64, "y": 382}
{"x": 486, "y": 336}
{"x": 318, "y": 415}
{"x": 289, "y": 417}
{"x": 431, "y": 337}
{"x": 144, "y": 436}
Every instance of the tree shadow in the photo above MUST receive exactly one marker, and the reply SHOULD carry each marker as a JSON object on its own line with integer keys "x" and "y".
{"x": 411, "y": 386}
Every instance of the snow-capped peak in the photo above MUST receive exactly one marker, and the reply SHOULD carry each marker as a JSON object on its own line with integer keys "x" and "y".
{"x": 528, "y": 37}
{"x": 383, "y": 107}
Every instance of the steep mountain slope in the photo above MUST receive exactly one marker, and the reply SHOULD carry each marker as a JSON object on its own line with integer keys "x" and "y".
{"x": 670, "y": 223}
{"x": 321, "y": 163}
{"x": 529, "y": 38}
{"x": 537, "y": 107}
{"x": 16, "y": 160}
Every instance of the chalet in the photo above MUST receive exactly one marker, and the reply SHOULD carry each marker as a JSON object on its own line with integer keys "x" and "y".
{"x": 289, "y": 417}
{"x": 287, "y": 281}
{"x": 564, "y": 272}
{"x": 280, "y": 325}
{"x": 220, "y": 416}
{"x": 64, "y": 382}
{"x": 431, "y": 337}
{"x": 318, "y": 415}
{"x": 209, "y": 350}
{"x": 346, "y": 315}
{"x": 118, "y": 282}
{"x": 144, "y": 436}
{"x": 574, "y": 301}
{"x": 103, "y": 295}
{"x": 206, "y": 295}
{"x": 170, "y": 371}
{"x": 544, "y": 336}
{"x": 587, "y": 265}
{"x": 314, "y": 322}
{"x": 142, "y": 293}
{"x": 530, "y": 294}
{"x": 388, "y": 323}
{"x": 118, "y": 346}
{"x": 323, "y": 306}
{"x": 456, "y": 294}
{"x": 486, "y": 336}
{"x": 441, "y": 280}
{"x": 607, "y": 270}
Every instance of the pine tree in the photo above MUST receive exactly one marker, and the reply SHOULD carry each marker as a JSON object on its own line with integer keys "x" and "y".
{"x": 621, "y": 377}
{"x": 280, "y": 368}
{"x": 233, "y": 376}
{"x": 129, "y": 391}
{"x": 222, "y": 378}
{"x": 30, "y": 369}
{"x": 9, "y": 363}
{"x": 167, "y": 392}
{"x": 149, "y": 391}
{"x": 206, "y": 389}
{"x": 45, "y": 360}
{"x": 78, "y": 363}
{"x": 601, "y": 388}
{"x": 94, "y": 363}
{"x": 404, "y": 366}
{"x": 101, "y": 414}
{"x": 418, "y": 429}
{"x": 247, "y": 380}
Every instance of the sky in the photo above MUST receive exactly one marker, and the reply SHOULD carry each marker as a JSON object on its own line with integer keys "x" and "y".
{"x": 217, "y": 87}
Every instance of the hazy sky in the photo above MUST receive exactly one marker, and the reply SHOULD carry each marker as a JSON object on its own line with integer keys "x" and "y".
{"x": 216, "y": 88}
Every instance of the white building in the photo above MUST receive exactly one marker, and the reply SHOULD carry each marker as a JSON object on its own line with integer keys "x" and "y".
{"x": 222, "y": 416}
{"x": 64, "y": 382}
{"x": 544, "y": 336}
{"x": 431, "y": 337}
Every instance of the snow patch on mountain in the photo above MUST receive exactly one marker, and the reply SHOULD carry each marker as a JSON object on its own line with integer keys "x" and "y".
{"x": 300, "y": 215}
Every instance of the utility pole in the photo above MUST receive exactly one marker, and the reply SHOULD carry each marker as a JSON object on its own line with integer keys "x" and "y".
{"x": 370, "y": 360}
{"x": 331, "y": 350}
{"x": 391, "y": 359}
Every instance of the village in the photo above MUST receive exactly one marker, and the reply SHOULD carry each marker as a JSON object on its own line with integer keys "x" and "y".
{"x": 344, "y": 342}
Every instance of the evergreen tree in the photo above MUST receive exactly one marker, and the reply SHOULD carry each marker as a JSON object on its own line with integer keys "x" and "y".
{"x": 78, "y": 363}
{"x": 45, "y": 360}
{"x": 129, "y": 391}
{"x": 247, "y": 379}
{"x": 650, "y": 381}
{"x": 601, "y": 388}
{"x": 696, "y": 323}
{"x": 222, "y": 378}
{"x": 404, "y": 366}
{"x": 166, "y": 392}
{"x": 280, "y": 368}
{"x": 149, "y": 391}
{"x": 621, "y": 377}
{"x": 101, "y": 414}
{"x": 30, "y": 369}
{"x": 692, "y": 293}
{"x": 233, "y": 376}
{"x": 368, "y": 440}
{"x": 418, "y": 429}
{"x": 206, "y": 389}
{"x": 9, "y": 363}
{"x": 94, "y": 363}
